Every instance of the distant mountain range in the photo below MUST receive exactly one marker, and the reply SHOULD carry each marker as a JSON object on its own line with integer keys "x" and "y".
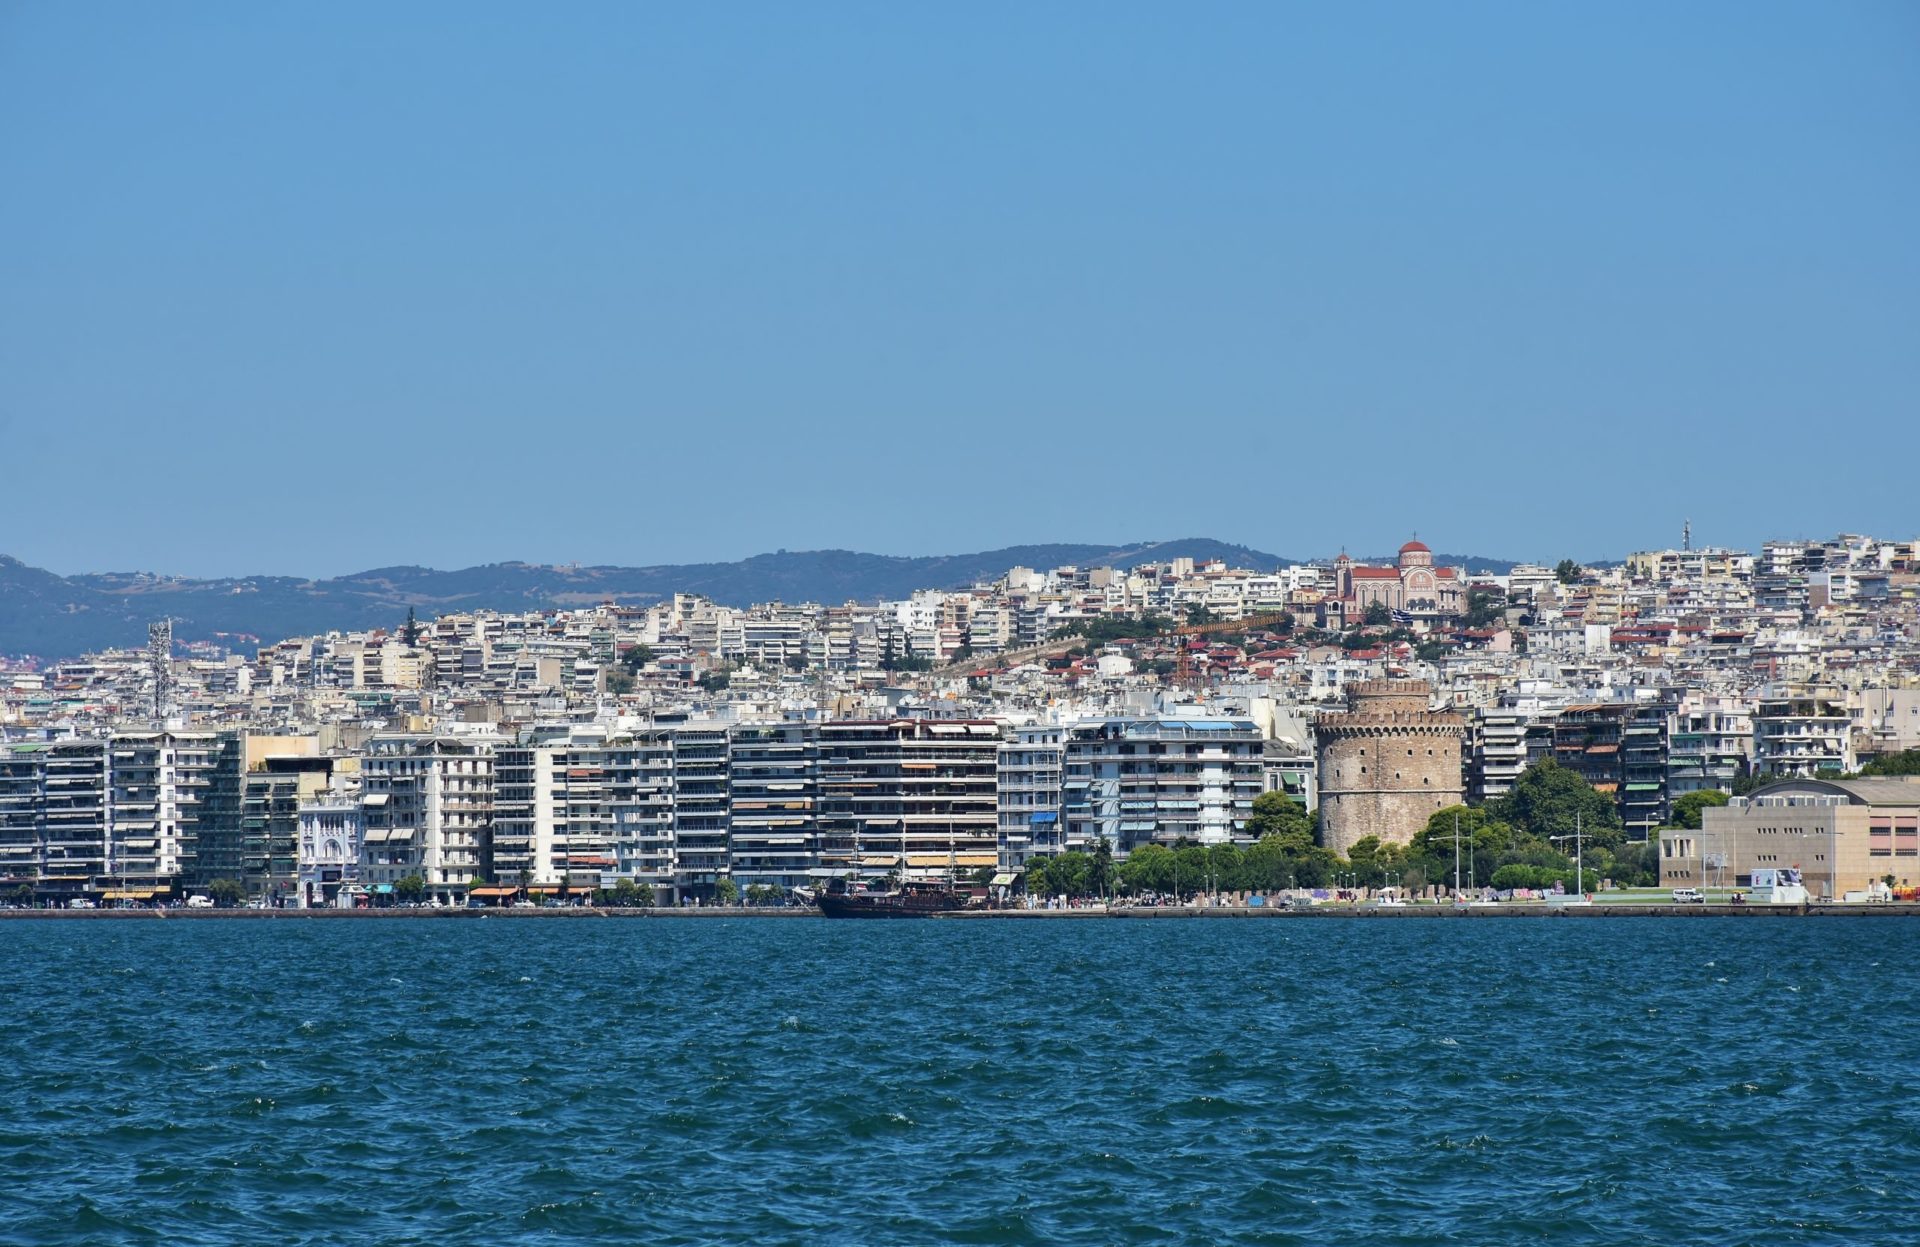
{"x": 54, "y": 616}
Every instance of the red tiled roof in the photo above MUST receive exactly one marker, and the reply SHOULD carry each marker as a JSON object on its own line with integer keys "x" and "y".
{"x": 1375, "y": 573}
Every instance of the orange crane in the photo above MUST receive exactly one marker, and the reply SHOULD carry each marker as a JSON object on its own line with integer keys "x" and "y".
{"x": 1186, "y": 676}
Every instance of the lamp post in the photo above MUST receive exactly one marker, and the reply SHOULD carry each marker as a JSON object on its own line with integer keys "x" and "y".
{"x": 1579, "y": 869}
{"x": 1456, "y": 858}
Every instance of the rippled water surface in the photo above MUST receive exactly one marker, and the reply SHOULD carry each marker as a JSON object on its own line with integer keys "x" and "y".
{"x": 1406, "y": 1081}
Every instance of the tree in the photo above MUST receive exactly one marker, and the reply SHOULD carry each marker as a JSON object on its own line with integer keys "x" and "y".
{"x": 619, "y": 683}
{"x": 225, "y": 893}
{"x": 1906, "y": 762}
{"x": 983, "y": 876}
{"x": 411, "y": 632}
{"x": 1148, "y": 868}
{"x": 1103, "y": 629}
{"x": 625, "y": 894}
{"x": 1065, "y": 875}
{"x": 1485, "y": 606}
{"x": 636, "y": 657}
{"x": 1567, "y": 572}
{"x": 1100, "y": 867}
{"x": 410, "y": 888}
{"x": 1226, "y": 863}
{"x": 1545, "y": 801}
{"x": 1372, "y": 860}
{"x": 1277, "y": 815}
{"x": 725, "y": 891}
{"x": 1378, "y": 616}
{"x": 1198, "y": 614}
{"x": 714, "y": 681}
{"x": 1687, "y": 808}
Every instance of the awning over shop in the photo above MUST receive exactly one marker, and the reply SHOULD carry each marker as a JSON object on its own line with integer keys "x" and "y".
{"x": 383, "y": 888}
{"x": 492, "y": 891}
{"x": 971, "y": 860}
{"x": 1004, "y": 878}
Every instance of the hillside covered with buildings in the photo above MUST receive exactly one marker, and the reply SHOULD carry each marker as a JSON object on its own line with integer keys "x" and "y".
{"x": 692, "y": 747}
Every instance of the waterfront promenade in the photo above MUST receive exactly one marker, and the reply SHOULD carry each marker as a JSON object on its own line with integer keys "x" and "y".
{"x": 1598, "y": 909}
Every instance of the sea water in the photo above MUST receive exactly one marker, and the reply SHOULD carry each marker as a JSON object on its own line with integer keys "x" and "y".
{"x": 711, "y": 1081}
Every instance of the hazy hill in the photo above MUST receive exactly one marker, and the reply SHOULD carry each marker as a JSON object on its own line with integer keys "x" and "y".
{"x": 62, "y": 616}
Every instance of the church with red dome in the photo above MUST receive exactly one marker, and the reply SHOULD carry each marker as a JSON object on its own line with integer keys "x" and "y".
{"x": 1431, "y": 595}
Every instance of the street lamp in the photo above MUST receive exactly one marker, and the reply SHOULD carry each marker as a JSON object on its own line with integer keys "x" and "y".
{"x": 1579, "y": 870}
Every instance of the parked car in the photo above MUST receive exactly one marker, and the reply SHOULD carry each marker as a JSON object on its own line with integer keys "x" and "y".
{"x": 1688, "y": 896}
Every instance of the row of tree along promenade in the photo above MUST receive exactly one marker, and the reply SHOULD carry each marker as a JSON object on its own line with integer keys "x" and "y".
{"x": 1600, "y": 907}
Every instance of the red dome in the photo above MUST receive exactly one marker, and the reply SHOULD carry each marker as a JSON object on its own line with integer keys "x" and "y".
{"x": 1414, "y": 546}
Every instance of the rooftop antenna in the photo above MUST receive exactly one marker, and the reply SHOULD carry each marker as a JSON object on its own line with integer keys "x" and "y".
{"x": 160, "y": 665}
{"x": 1686, "y": 535}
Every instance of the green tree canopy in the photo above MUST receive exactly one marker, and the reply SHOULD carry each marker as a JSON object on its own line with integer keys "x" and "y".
{"x": 725, "y": 891}
{"x": 1278, "y": 815}
{"x": 1566, "y": 571}
{"x": 1485, "y": 606}
{"x": 225, "y": 893}
{"x": 1546, "y": 800}
{"x": 1687, "y": 807}
{"x": 410, "y": 887}
{"x": 1100, "y": 868}
{"x": 1148, "y": 868}
{"x": 1906, "y": 762}
{"x": 1065, "y": 875}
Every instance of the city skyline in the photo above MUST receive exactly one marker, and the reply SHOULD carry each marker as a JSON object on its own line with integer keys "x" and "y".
{"x": 626, "y": 286}
{"x": 1598, "y": 551}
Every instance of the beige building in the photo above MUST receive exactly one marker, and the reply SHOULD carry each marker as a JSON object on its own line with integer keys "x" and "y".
{"x": 1387, "y": 764}
{"x": 1841, "y": 834}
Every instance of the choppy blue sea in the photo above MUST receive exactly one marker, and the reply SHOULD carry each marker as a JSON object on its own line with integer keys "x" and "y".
{"x": 501, "y": 1081}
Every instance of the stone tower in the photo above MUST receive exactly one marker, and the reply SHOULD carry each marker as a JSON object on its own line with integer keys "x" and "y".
{"x": 1386, "y": 764}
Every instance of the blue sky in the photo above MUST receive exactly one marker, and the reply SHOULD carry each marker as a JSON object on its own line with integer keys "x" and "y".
{"x": 313, "y": 288}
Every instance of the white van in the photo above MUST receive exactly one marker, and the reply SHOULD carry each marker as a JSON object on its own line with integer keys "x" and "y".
{"x": 1689, "y": 896}
{"x": 199, "y": 902}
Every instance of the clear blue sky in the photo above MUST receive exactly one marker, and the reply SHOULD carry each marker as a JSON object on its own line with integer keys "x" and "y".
{"x": 312, "y": 288}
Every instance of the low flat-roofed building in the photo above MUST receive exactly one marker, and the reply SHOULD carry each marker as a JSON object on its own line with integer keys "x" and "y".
{"x": 1841, "y": 834}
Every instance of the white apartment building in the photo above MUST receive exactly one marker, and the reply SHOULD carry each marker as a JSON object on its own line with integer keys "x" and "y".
{"x": 428, "y": 806}
{"x": 1029, "y": 768}
{"x": 1163, "y": 780}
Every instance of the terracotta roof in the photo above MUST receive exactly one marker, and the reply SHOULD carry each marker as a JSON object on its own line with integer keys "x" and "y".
{"x": 1413, "y": 546}
{"x": 1376, "y": 573}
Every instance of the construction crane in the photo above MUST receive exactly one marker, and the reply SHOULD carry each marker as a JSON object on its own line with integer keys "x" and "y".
{"x": 1187, "y": 676}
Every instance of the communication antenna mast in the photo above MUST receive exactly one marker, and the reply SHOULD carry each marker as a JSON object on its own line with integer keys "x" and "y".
{"x": 160, "y": 666}
{"x": 1686, "y": 535}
